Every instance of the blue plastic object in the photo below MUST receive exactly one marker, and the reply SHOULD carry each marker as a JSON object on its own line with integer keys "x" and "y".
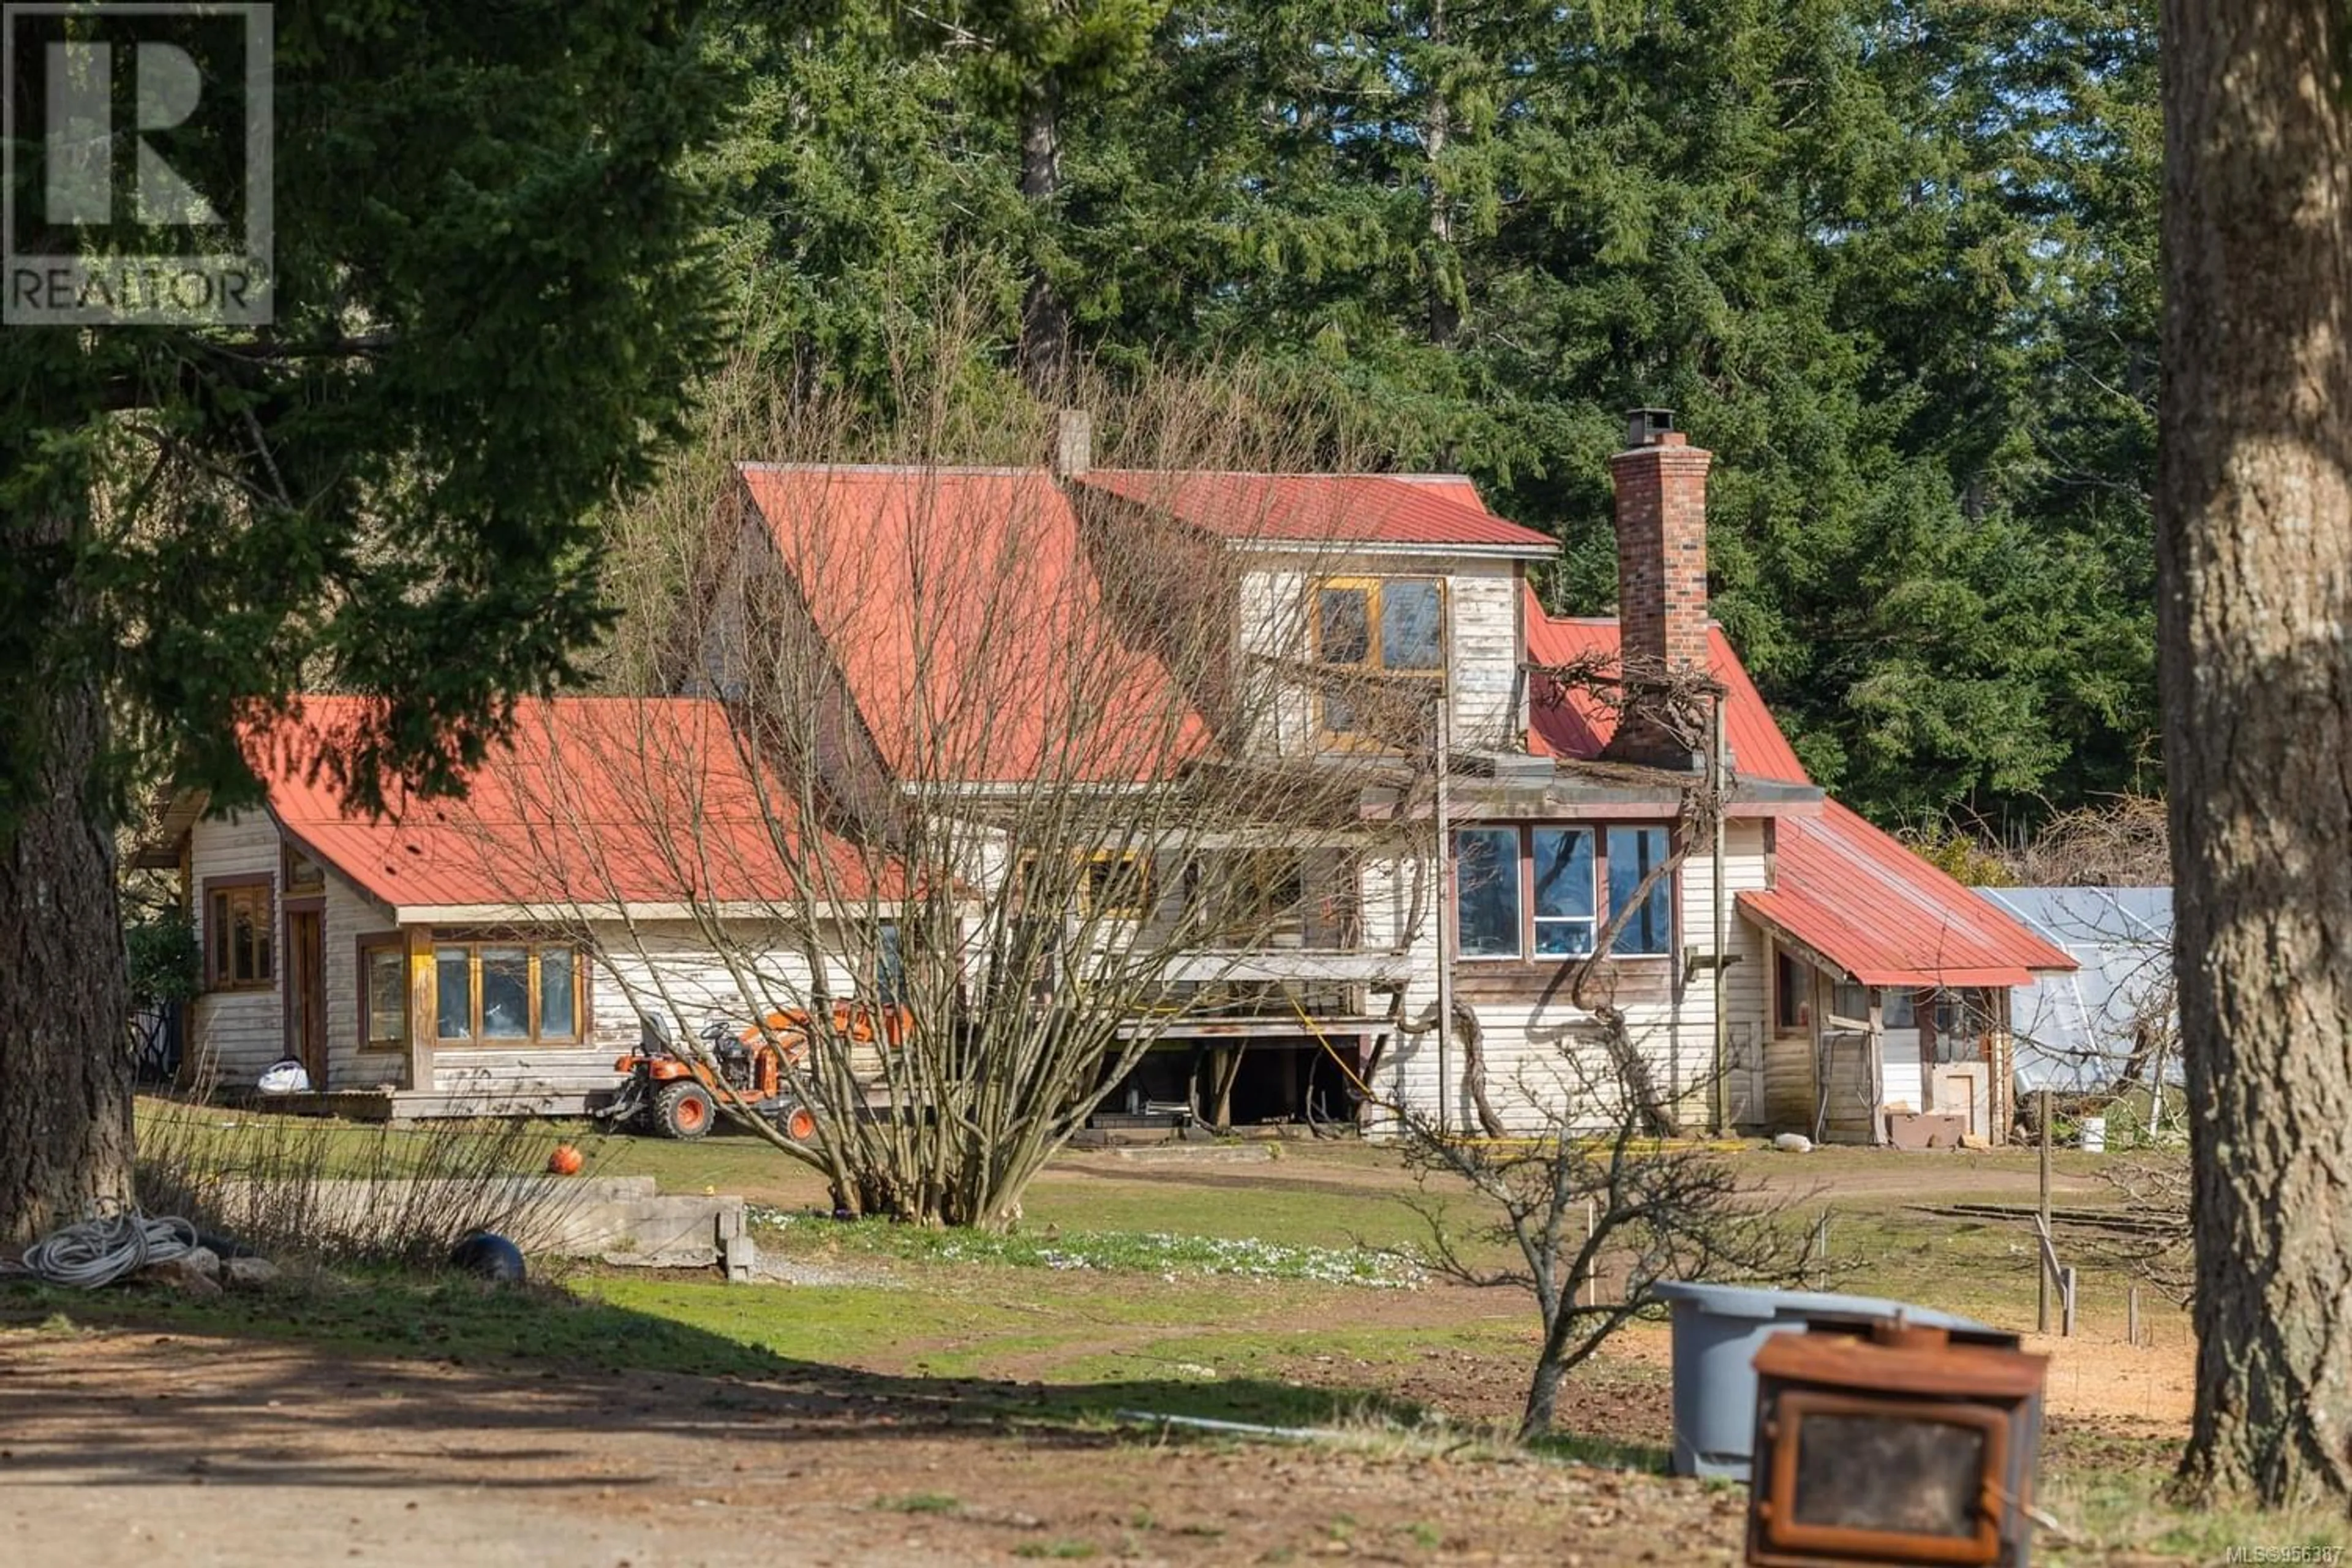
{"x": 1717, "y": 1330}
{"x": 489, "y": 1256}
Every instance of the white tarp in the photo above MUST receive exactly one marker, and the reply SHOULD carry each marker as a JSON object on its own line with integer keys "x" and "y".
{"x": 2075, "y": 1032}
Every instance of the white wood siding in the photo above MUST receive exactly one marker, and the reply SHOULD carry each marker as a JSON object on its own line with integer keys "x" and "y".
{"x": 351, "y": 915}
{"x": 1542, "y": 1056}
{"x": 234, "y": 1035}
{"x": 1898, "y": 1056}
{"x": 1483, "y": 653}
{"x": 669, "y": 968}
{"x": 1483, "y": 611}
{"x": 1271, "y": 609}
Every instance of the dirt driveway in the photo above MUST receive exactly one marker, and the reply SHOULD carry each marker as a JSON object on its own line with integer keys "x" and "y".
{"x": 123, "y": 1448}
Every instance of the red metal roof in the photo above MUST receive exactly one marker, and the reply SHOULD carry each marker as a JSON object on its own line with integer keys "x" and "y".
{"x": 595, "y": 801}
{"x": 1435, "y": 510}
{"x": 1577, "y": 725}
{"x": 970, "y": 627}
{"x": 1858, "y": 898}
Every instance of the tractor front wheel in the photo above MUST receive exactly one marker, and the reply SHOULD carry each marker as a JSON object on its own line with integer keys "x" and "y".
{"x": 684, "y": 1110}
{"x": 797, "y": 1123}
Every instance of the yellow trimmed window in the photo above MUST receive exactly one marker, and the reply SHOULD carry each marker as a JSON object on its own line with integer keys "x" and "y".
{"x": 1379, "y": 643}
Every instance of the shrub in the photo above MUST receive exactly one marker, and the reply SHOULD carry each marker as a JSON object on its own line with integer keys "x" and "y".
{"x": 330, "y": 1193}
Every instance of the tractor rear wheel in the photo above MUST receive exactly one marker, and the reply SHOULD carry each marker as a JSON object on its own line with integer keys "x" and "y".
{"x": 684, "y": 1110}
{"x": 796, "y": 1122}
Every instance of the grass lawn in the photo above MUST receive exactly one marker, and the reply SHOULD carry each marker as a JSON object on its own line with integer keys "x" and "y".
{"x": 1084, "y": 1313}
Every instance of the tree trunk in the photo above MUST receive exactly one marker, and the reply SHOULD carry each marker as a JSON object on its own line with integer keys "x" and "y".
{"x": 64, "y": 1063}
{"x": 1543, "y": 1397}
{"x": 2255, "y": 532}
{"x": 1044, "y": 319}
{"x": 1444, "y": 314}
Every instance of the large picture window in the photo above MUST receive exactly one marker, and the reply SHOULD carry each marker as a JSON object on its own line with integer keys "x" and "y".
{"x": 238, "y": 923}
{"x": 1535, "y": 891}
{"x": 1388, "y": 632}
{"x": 504, "y": 993}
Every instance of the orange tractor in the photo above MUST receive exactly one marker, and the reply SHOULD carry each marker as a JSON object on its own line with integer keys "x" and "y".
{"x": 676, "y": 1093}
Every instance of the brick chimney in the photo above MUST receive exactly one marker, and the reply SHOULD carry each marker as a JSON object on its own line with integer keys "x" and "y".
{"x": 1660, "y": 482}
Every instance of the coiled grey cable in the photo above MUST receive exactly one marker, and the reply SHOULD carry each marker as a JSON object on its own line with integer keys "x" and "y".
{"x": 97, "y": 1252}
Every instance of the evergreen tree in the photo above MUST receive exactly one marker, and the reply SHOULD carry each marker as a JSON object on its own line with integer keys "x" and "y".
{"x": 491, "y": 293}
{"x": 1892, "y": 260}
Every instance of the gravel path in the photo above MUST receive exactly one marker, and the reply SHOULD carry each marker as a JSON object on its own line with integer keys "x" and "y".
{"x": 123, "y": 1450}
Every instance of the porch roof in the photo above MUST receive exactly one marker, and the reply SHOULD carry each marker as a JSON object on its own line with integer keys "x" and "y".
{"x": 1860, "y": 898}
{"x": 592, "y": 803}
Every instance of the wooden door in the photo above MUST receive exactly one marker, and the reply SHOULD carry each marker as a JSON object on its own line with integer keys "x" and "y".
{"x": 306, "y": 994}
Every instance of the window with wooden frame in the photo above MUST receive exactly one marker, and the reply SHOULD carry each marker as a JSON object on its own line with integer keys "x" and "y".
{"x": 1250, "y": 896}
{"x": 240, "y": 920}
{"x": 1113, "y": 884}
{"x": 507, "y": 993}
{"x": 1117, "y": 884}
{"x": 304, "y": 876}
{"x": 1537, "y": 890}
{"x": 1380, "y": 643}
{"x": 1850, "y": 1001}
{"x": 1792, "y": 993}
{"x": 384, "y": 994}
{"x": 1632, "y": 854}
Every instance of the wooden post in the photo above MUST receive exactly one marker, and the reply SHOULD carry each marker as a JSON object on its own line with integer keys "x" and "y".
{"x": 2066, "y": 1301}
{"x": 1877, "y": 1048}
{"x": 1923, "y": 1020}
{"x": 1998, "y": 1057}
{"x": 1718, "y": 765}
{"x": 2131, "y": 1314}
{"x": 1821, "y": 1245}
{"x": 1446, "y": 935}
{"x": 2042, "y": 1289}
{"x": 424, "y": 1006}
{"x": 1592, "y": 1278}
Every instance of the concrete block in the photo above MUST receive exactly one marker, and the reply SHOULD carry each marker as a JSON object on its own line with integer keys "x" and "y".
{"x": 742, "y": 1258}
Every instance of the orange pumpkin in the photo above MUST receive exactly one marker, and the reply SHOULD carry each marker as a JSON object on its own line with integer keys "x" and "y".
{"x": 565, "y": 1161}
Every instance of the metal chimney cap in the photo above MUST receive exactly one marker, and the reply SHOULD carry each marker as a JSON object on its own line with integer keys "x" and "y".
{"x": 1644, "y": 426}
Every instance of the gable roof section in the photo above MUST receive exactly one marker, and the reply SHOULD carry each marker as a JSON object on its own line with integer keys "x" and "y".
{"x": 1857, "y": 897}
{"x": 971, "y": 632}
{"x": 1843, "y": 888}
{"x": 1437, "y": 512}
{"x": 595, "y": 803}
{"x": 1575, "y": 723}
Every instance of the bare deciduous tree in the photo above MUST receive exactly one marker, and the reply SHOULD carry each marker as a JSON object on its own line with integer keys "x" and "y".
{"x": 1598, "y": 1206}
{"x": 1003, "y": 803}
{"x": 1598, "y": 1214}
{"x": 2162, "y": 1249}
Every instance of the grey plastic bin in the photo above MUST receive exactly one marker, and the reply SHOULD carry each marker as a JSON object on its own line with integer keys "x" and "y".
{"x": 1716, "y": 1331}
